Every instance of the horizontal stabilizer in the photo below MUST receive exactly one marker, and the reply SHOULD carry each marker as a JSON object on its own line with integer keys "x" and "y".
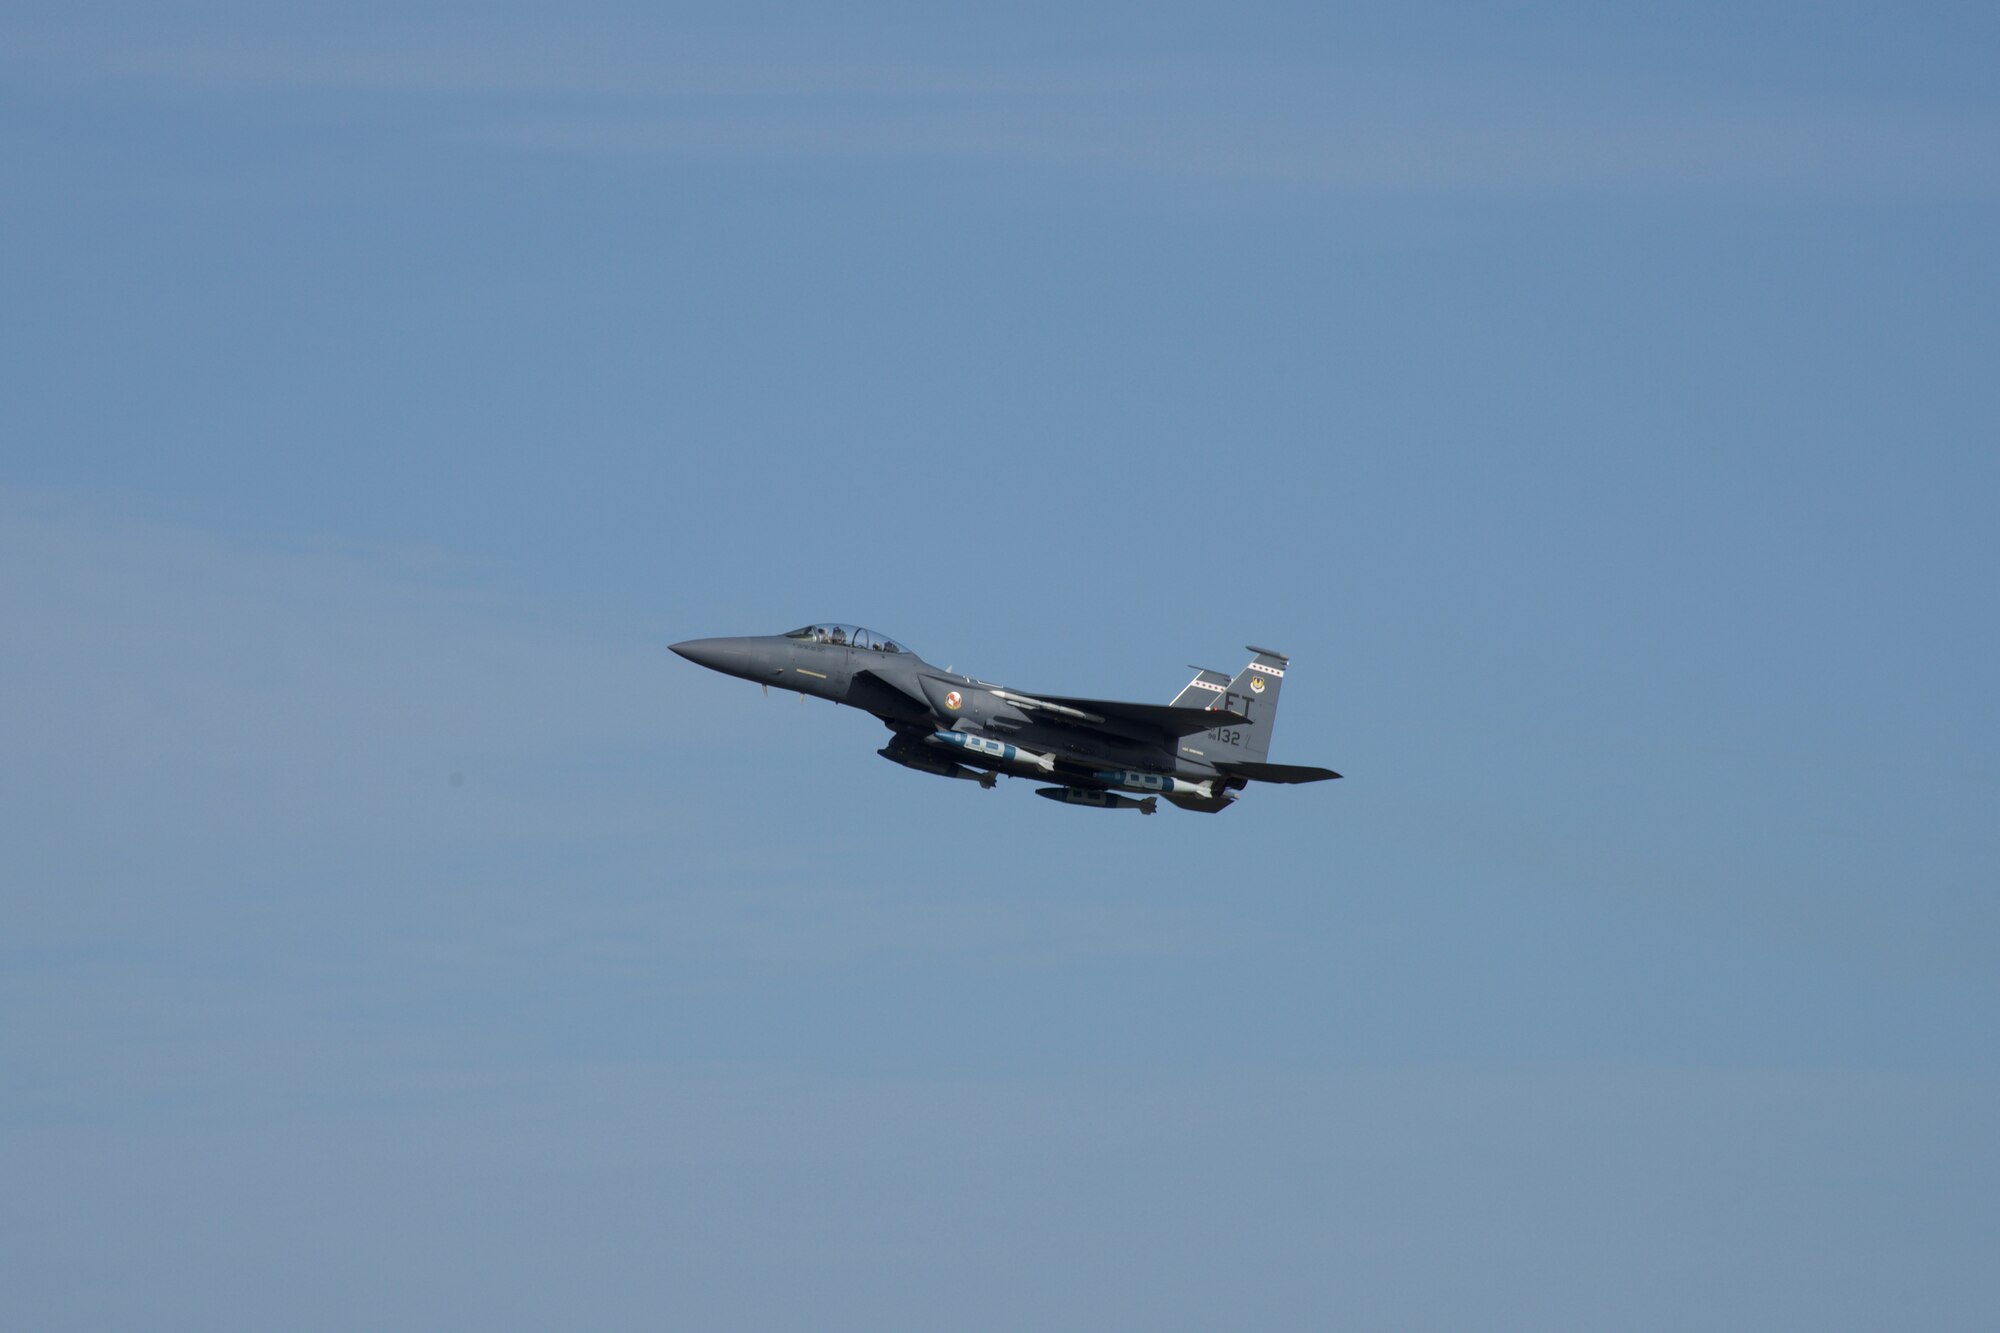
{"x": 1289, "y": 773}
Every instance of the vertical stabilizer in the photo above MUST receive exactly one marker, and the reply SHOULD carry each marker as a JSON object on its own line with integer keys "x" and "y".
{"x": 1254, "y": 693}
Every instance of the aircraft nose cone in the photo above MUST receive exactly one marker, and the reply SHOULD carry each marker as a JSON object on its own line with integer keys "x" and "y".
{"x": 730, "y": 656}
{"x": 701, "y": 652}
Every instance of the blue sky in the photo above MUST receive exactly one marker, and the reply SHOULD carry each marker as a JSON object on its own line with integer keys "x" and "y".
{"x": 1597, "y": 406}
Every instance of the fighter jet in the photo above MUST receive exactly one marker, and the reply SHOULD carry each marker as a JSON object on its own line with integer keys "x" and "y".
{"x": 1198, "y": 752}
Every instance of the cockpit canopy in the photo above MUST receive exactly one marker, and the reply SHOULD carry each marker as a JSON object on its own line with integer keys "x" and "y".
{"x": 852, "y": 636}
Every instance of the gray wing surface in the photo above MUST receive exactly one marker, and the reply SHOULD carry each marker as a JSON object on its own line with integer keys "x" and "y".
{"x": 1156, "y": 717}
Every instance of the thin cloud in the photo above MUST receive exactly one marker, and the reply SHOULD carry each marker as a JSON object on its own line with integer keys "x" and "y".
{"x": 1343, "y": 152}
{"x": 660, "y": 69}
{"x": 1361, "y": 130}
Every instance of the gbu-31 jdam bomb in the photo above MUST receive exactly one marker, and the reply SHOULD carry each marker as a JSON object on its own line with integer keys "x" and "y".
{"x": 1128, "y": 781}
{"x": 1198, "y": 752}
{"x": 1099, "y": 800}
{"x": 992, "y": 749}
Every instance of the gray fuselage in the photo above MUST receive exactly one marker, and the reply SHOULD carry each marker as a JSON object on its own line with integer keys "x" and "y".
{"x": 918, "y": 701}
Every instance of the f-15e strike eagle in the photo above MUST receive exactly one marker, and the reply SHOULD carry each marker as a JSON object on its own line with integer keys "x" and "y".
{"x": 1198, "y": 751}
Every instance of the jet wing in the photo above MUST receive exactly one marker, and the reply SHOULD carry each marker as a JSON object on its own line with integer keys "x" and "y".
{"x": 1154, "y": 717}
